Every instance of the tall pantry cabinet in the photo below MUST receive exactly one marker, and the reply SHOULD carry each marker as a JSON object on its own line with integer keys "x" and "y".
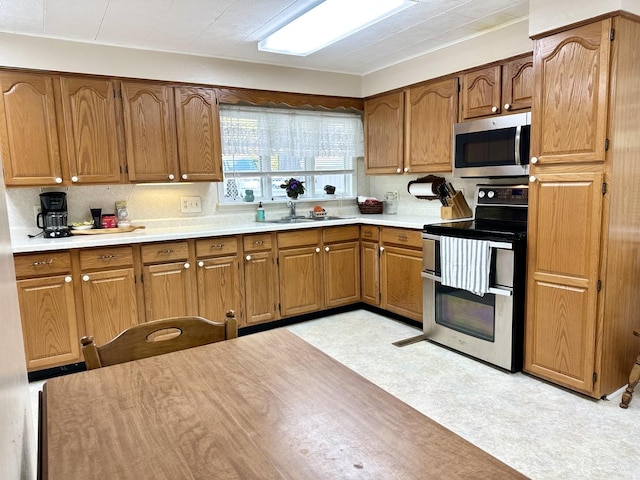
{"x": 584, "y": 207}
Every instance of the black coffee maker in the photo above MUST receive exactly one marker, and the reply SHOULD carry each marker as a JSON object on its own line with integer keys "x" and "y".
{"x": 53, "y": 216}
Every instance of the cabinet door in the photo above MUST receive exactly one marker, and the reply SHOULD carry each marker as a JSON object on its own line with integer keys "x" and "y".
{"x": 517, "y": 85}
{"x": 481, "y": 93}
{"x": 431, "y": 111}
{"x": 565, "y": 214}
{"x": 370, "y": 272}
{"x": 219, "y": 288}
{"x": 342, "y": 273}
{"x": 260, "y": 287}
{"x": 91, "y": 129}
{"x": 109, "y": 301}
{"x": 300, "y": 280}
{"x": 401, "y": 283}
{"x": 169, "y": 291}
{"x": 28, "y": 130}
{"x": 49, "y": 323}
{"x": 198, "y": 126}
{"x": 570, "y": 104}
{"x": 384, "y": 127}
{"x": 149, "y": 132}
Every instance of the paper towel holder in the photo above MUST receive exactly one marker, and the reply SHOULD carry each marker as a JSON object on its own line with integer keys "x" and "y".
{"x": 435, "y": 182}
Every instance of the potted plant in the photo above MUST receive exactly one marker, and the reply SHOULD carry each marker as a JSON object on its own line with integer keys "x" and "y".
{"x": 293, "y": 187}
{"x": 330, "y": 189}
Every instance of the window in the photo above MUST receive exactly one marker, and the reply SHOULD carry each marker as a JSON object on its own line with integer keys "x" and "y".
{"x": 262, "y": 147}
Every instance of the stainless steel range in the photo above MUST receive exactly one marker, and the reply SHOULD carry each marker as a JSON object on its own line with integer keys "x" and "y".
{"x": 486, "y": 323}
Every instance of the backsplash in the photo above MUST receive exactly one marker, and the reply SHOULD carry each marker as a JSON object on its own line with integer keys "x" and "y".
{"x": 159, "y": 204}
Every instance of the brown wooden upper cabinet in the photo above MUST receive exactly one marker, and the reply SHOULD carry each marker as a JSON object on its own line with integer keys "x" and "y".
{"x": 28, "y": 130}
{"x": 198, "y": 127}
{"x": 89, "y": 115}
{"x": 497, "y": 89}
{"x": 149, "y": 132}
{"x": 410, "y": 131}
{"x": 171, "y": 134}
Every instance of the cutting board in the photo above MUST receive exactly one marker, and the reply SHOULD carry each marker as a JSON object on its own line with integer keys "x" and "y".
{"x": 102, "y": 231}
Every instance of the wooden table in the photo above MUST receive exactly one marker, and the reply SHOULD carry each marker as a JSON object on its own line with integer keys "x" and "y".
{"x": 263, "y": 406}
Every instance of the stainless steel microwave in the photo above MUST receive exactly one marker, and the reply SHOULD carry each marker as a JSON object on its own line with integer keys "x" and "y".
{"x": 492, "y": 147}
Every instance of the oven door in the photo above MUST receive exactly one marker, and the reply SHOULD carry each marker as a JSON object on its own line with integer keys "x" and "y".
{"x": 479, "y": 326}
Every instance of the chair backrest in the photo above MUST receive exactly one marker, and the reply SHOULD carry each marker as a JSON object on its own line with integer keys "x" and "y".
{"x": 158, "y": 337}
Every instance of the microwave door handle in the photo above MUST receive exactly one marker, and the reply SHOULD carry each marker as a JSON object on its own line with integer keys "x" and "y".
{"x": 517, "y": 145}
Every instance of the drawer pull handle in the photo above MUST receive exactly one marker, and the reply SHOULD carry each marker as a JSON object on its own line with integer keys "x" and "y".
{"x": 317, "y": 249}
{"x": 43, "y": 262}
{"x": 248, "y": 258}
{"x": 74, "y": 179}
{"x": 67, "y": 279}
{"x": 259, "y": 242}
{"x": 187, "y": 265}
{"x": 382, "y": 249}
{"x": 107, "y": 257}
{"x": 58, "y": 180}
{"x": 217, "y": 245}
{"x": 165, "y": 252}
{"x": 404, "y": 238}
{"x": 201, "y": 263}
{"x": 326, "y": 249}
{"x": 367, "y": 234}
{"x": 185, "y": 176}
{"x": 171, "y": 176}
{"x": 85, "y": 278}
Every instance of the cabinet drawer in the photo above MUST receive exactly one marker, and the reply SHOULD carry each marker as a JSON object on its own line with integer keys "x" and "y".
{"x": 41, "y": 264}
{"x": 402, "y": 236}
{"x": 106, "y": 257}
{"x": 257, "y": 243}
{"x": 369, "y": 232}
{"x": 216, "y": 246}
{"x": 299, "y": 238}
{"x": 165, "y": 252}
{"x": 340, "y": 234}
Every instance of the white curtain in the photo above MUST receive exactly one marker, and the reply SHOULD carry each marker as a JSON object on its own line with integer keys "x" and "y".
{"x": 298, "y": 137}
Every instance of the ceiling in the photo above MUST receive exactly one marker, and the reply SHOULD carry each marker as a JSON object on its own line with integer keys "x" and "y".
{"x": 231, "y": 29}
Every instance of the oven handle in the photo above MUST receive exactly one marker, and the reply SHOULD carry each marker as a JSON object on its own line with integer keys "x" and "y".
{"x": 504, "y": 291}
{"x": 503, "y": 245}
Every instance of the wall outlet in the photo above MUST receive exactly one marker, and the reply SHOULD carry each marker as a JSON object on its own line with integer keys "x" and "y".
{"x": 190, "y": 204}
{"x": 36, "y": 211}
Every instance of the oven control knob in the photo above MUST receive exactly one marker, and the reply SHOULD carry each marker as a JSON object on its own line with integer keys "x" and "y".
{"x": 491, "y": 194}
{"x": 481, "y": 194}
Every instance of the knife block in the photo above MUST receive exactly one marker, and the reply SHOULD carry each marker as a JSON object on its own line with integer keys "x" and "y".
{"x": 458, "y": 208}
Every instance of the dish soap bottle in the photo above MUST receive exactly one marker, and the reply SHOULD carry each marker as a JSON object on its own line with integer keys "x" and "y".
{"x": 260, "y": 217}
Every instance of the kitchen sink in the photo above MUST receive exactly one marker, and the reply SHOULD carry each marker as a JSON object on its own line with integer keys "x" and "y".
{"x": 287, "y": 220}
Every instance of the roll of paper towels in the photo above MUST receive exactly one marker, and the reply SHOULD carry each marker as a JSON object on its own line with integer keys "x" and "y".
{"x": 421, "y": 189}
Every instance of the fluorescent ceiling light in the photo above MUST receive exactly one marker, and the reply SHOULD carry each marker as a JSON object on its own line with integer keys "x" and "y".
{"x": 330, "y": 21}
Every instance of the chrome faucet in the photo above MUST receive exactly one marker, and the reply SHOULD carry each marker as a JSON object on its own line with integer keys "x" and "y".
{"x": 292, "y": 208}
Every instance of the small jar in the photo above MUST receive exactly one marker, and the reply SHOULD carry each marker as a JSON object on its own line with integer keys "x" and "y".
{"x": 108, "y": 221}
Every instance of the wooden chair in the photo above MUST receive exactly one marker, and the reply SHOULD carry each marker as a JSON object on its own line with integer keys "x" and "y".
{"x": 143, "y": 340}
{"x": 634, "y": 376}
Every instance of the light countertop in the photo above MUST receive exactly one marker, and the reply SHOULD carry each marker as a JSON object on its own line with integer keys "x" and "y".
{"x": 21, "y": 243}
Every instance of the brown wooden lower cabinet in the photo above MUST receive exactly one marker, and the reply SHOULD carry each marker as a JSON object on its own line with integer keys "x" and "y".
{"x": 168, "y": 279}
{"x": 108, "y": 285}
{"x": 300, "y": 268}
{"x": 370, "y": 265}
{"x": 47, "y": 309}
{"x": 263, "y": 277}
{"x": 219, "y": 279}
{"x": 260, "y": 278}
{"x": 400, "y": 268}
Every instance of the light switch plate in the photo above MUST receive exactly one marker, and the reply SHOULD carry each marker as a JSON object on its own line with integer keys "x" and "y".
{"x": 190, "y": 204}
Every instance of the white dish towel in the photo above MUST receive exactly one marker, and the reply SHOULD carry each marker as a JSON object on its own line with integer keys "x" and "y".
{"x": 465, "y": 264}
